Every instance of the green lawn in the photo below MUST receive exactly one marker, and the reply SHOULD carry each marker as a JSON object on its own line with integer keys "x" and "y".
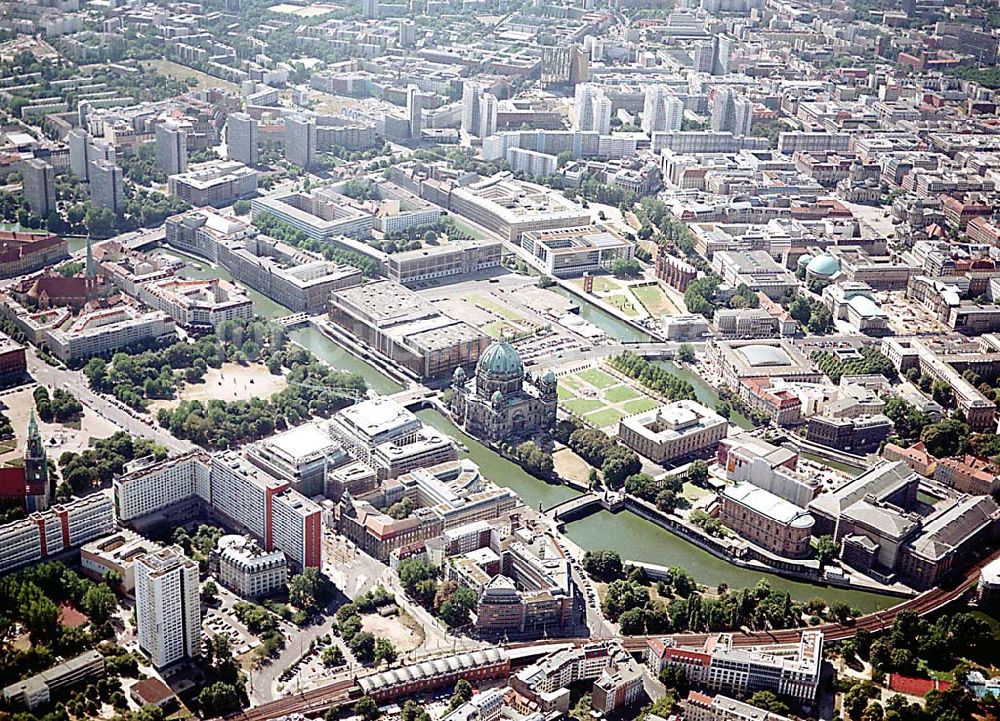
{"x": 564, "y": 393}
{"x": 571, "y": 382}
{"x": 653, "y": 299}
{"x": 607, "y": 417}
{"x": 640, "y": 405}
{"x": 620, "y": 394}
{"x": 693, "y": 492}
{"x": 495, "y": 308}
{"x": 582, "y": 406}
{"x": 621, "y": 303}
{"x": 474, "y": 233}
{"x": 598, "y": 378}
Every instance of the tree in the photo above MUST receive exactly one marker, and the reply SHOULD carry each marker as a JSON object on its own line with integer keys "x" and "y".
{"x": 362, "y": 645}
{"x": 332, "y": 656}
{"x": 697, "y": 472}
{"x": 219, "y": 699}
{"x": 666, "y": 500}
{"x": 100, "y": 222}
{"x": 622, "y": 268}
{"x": 384, "y": 651}
{"x": 945, "y": 438}
{"x": 769, "y": 701}
{"x": 99, "y": 603}
{"x": 241, "y": 207}
{"x": 619, "y": 464}
{"x": 563, "y": 158}
{"x": 309, "y": 590}
{"x": 366, "y": 708}
{"x": 455, "y": 611}
{"x": 462, "y": 694}
{"x": 826, "y": 549}
{"x": 209, "y": 591}
{"x": 685, "y": 353}
{"x": 603, "y": 565}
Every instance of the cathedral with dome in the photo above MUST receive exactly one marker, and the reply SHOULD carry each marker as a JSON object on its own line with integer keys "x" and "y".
{"x": 502, "y": 402}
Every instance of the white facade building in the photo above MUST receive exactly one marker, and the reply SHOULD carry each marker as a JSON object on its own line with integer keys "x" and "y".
{"x": 168, "y": 610}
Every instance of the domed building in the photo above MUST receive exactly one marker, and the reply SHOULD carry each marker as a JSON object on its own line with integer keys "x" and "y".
{"x": 823, "y": 267}
{"x": 503, "y": 402}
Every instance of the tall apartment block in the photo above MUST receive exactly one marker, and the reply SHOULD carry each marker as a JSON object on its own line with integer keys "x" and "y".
{"x": 241, "y": 138}
{"x": 168, "y": 610}
{"x": 300, "y": 140}
{"x": 40, "y": 186}
{"x": 171, "y": 148}
{"x": 79, "y": 140}
{"x": 106, "y": 185}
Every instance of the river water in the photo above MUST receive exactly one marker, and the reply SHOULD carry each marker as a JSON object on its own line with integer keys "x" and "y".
{"x": 633, "y": 537}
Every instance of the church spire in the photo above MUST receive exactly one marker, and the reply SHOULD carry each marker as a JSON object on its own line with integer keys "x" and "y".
{"x": 91, "y": 267}
{"x": 32, "y": 426}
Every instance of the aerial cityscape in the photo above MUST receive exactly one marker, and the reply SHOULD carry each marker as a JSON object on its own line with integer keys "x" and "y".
{"x": 499, "y": 360}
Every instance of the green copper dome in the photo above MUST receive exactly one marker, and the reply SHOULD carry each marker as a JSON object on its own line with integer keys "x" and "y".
{"x": 824, "y": 266}
{"x": 500, "y": 361}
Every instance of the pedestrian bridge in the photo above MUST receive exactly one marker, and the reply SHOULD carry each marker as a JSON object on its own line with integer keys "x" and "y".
{"x": 293, "y": 321}
{"x": 584, "y": 505}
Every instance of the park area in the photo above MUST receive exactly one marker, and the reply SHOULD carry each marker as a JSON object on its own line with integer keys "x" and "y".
{"x": 176, "y": 71}
{"x": 599, "y": 398}
{"x": 634, "y": 299}
{"x": 231, "y": 382}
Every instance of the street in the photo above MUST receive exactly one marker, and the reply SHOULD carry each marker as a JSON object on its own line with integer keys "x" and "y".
{"x": 127, "y": 419}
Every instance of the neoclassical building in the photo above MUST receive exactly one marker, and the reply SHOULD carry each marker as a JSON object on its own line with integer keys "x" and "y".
{"x": 502, "y": 402}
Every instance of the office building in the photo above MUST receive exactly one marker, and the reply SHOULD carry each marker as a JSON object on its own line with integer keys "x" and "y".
{"x": 78, "y": 140}
{"x": 677, "y": 430}
{"x": 116, "y": 552}
{"x": 146, "y": 487}
{"x": 302, "y": 456}
{"x": 39, "y": 182}
{"x": 407, "y": 33}
{"x": 197, "y": 304}
{"x": 510, "y": 207}
{"x": 546, "y": 684}
{"x": 488, "y": 108}
{"x": 300, "y": 140}
{"x": 791, "y": 670}
{"x": 171, "y": 148}
{"x": 414, "y": 110}
{"x": 572, "y": 252}
{"x": 241, "y": 138}
{"x": 732, "y": 112}
{"x": 323, "y": 215}
{"x": 106, "y": 186}
{"x": 860, "y": 435}
{"x": 36, "y": 691}
{"x": 661, "y": 110}
{"x": 216, "y": 183}
{"x": 268, "y": 508}
{"x": 601, "y": 114}
{"x": 472, "y": 94}
{"x": 167, "y": 606}
{"x": 388, "y": 438}
{"x": 699, "y": 706}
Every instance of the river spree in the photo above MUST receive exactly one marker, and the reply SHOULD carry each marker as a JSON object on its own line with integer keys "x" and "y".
{"x": 633, "y": 537}
{"x": 636, "y": 538}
